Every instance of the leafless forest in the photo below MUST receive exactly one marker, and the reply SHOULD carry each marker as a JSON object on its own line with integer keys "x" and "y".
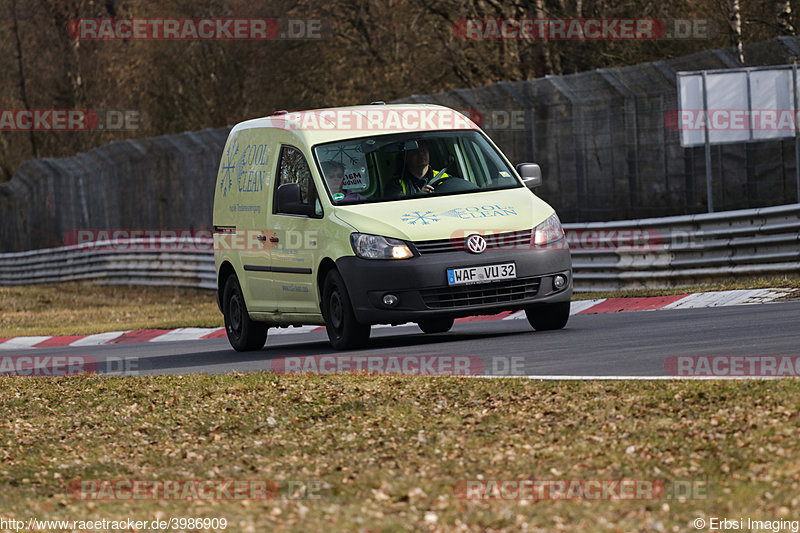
{"x": 370, "y": 50}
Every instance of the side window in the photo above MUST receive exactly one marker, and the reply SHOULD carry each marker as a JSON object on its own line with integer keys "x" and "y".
{"x": 484, "y": 170}
{"x": 293, "y": 168}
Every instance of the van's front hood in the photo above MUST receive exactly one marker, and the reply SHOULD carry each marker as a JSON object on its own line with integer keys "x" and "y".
{"x": 442, "y": 217}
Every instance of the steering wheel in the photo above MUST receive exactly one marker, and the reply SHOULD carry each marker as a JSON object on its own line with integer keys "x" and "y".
{"x": 450, "y": 184}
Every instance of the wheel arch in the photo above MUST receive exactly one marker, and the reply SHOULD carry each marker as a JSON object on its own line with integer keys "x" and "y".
{"x": 225, "y": 271}
{"x": 326, "y": 265}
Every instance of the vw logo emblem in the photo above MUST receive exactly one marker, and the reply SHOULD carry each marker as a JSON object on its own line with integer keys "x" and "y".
{"x": 476, "y": 244}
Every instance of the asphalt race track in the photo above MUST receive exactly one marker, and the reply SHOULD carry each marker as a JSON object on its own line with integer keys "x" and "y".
{"x": 604, "y": 345}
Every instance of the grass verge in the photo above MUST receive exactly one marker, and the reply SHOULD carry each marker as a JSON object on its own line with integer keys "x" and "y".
{"x": 80, "y": 309}
{"x": 388, "y": 451}
{"x": 786, "y": 282}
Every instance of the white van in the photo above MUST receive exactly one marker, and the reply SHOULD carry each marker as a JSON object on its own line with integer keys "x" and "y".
{"x": 379, "y": 214}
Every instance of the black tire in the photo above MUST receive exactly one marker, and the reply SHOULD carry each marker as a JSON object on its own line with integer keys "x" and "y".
{"x": 244, "y": 334}
{"x": 548, "y": 317}
{"x": 344, "y": 331}
{"x": 435, "y": 325}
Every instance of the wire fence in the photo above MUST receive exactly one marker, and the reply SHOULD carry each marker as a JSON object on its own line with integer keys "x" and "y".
{"x": 603, "y": 139}
{"x": 609, "y": 145}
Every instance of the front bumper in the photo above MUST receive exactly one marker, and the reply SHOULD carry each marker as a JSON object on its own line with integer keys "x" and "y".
{"x": 421, "y": 285}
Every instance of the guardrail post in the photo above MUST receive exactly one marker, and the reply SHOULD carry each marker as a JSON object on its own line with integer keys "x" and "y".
{"x": 796, "y": 137}
{"x": 708, "y": 147}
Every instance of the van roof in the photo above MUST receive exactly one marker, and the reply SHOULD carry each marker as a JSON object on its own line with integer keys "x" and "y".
{"x": 316, "y": 126}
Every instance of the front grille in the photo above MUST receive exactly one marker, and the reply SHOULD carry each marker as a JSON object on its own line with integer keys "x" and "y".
{"x": 481, "y": 293}
{"x": 511, "y": 239}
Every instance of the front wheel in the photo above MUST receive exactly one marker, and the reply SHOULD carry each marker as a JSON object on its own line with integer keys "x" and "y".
{"x": 548, "y": 317}
{"x": 344, "y": 331}
{"x": 435, "y": 325}
{"x": 244, "y": 334}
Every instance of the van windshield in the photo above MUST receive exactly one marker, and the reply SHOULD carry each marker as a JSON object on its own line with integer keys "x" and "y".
{"x": 411, "y": 165}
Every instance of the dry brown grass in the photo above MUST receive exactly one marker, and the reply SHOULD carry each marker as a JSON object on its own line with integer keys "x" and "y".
{"x": 74, "y": 309}
{"x": 387, "y": 452}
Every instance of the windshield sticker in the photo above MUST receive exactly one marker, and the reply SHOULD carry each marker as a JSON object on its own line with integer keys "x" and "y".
{"x": 482, "y": 211}
{"x": 354, "y": 163}
{"x": 355, "y": 179}
{"x": 428, "y": 217}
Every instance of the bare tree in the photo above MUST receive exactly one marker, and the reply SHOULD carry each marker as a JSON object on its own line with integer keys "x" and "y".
{"x": 783, "y": 14}
{"x": 735, "y": 25}
{"x": 23, "y": 92}
{"x": 374, "y": 50}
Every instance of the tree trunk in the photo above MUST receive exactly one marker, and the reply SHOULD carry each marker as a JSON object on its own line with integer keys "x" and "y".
{"x": 548, "y": 60}
{"x": 735, "y": 23}
{"x": 21, "y": 70}
{"x": 783, "y": 14}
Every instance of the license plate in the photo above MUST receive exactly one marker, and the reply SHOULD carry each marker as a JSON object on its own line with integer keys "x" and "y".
{"x": 481, "y": 274}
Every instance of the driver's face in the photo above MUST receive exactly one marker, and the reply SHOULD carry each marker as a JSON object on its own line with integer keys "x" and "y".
{"x": 418, "y": 158}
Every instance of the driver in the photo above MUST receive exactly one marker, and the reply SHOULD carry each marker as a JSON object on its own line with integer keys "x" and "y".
{"x": 416, "y": 174}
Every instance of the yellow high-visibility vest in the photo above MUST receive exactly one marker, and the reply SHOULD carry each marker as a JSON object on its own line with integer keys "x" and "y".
{"x": 435, "y": 175}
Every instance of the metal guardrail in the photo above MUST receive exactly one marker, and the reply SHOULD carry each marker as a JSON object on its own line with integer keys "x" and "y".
{"x": 115, "y": 262}
{"x": 654, "y": 252}
{"x": 686, "y": 250}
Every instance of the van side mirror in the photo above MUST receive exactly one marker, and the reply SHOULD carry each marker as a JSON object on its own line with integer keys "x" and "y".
{"x": 290, "y": 201}
{"x": 531, "y": 174}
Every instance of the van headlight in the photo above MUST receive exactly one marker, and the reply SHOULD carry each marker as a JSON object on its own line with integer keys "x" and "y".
{"x": 548, "y": 231}
{"x": 377, "y": 247}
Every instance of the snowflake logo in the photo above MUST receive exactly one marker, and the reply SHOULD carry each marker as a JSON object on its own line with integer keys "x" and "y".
{"x": 425, "y": 218}
{"x": 228, "y": 166}
{"x": 347, "y": 155}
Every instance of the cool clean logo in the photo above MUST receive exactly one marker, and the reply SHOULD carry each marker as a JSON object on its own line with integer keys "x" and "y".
{"x": 463, "y": 213}
{"x": 249, "y": 168}
{"x": 483, "y": 211}
{"x": 249, "y": 177}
